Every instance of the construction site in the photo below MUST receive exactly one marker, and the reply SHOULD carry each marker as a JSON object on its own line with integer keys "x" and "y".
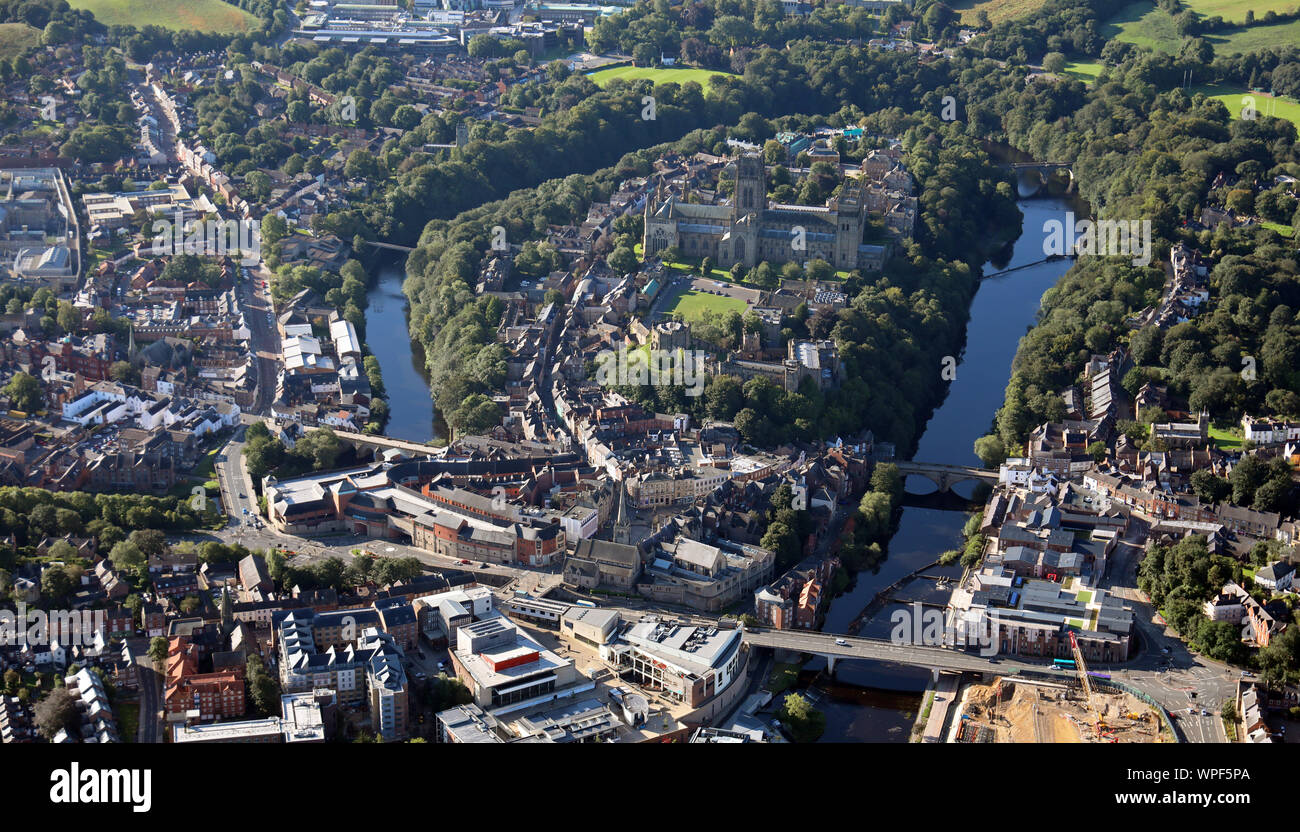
{"x": 1072, "y": 710}
{"x": 1011, "y": 710}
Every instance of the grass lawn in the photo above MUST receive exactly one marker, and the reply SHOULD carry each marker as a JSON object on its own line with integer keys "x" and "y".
{"x": 998, "y": 10}
{"x": 1143, "y": 24}
{"x": 1284, "y": 230}
{"x": 207, "y": 467}
{"x": 1084, "y": 597}
{"x": 200, "y": 15}
{"x": 1235, "y": 10}
{"x": 1226, "y": 439}
{"x": 784, "y": 676}
{"x": 658, "y": 74}
{"x": 128, "y": 720}
{"x": 1085, "y": 71}
{"x": 1254, "y": 38}
{"x": 1265, "y": 105}
{"x": 16, "y": 38}
{"x": 692, "y": 304}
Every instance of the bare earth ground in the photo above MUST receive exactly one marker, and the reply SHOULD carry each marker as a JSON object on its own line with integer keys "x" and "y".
{"x": 1033, "y": 714}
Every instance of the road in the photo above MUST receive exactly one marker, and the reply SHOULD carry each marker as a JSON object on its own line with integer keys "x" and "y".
{"x": 150, "y": 730}
{"x": 264, "y": 338}
{"x": 1164, "y": 668}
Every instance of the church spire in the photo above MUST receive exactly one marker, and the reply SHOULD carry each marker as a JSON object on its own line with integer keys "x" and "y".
{"x": 622, "y": 518}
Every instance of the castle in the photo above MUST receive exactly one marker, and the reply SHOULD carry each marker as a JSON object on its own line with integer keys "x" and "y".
{"x": 750, "y": 231}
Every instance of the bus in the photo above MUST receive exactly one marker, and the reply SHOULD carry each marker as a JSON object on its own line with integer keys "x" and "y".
{"x": 586, "y": 604}
{"x": 1063, "y": 662}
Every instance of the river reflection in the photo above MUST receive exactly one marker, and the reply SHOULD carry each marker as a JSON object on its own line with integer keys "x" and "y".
{"x": 401, "y": 360}
{"x": 1003, "y": 309}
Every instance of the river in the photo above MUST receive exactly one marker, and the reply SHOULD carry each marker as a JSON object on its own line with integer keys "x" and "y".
{"x": 873, "y": 701}
{"x": 867, "y": 701}
{"x": 401, "y": 360}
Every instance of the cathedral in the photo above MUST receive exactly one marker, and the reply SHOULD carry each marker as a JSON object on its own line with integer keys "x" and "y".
{"x": 750, "y": 231}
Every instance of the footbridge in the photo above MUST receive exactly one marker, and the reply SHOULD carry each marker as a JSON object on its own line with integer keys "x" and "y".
{"x": 389, "y": 246}
{"x": 946, "y": 476}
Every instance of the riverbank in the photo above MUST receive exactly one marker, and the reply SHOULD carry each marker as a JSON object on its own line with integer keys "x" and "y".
{"x": 875, "y": 702}
{"x": 411, "y": 414}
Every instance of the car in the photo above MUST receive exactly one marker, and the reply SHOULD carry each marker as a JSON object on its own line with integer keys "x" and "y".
{"x": 1191, "y": 694}
{"x": 482, "y": 566}
{"x": 465, "y": 562}
{"x": 841, "y": 642}
{"x": 1246, "y": 674}
{"x": 1204, "y": 712}
{"x": 442, "y": 665}
{"x": 1164, "y": 650}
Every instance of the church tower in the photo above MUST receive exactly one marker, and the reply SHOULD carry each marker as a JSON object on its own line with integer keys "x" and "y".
{"x": 751, "y": 186}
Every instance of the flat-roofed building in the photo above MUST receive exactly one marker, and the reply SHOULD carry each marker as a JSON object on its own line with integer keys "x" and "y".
{"x": 686, "y": 663}
{"x": 502, "y": 666}
{"x": 594, "y": 628}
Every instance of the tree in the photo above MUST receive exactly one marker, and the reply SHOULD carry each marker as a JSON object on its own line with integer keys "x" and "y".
{"x": 25, "y": 393}
{"x": 885, "y": 479}
{"x": 263, "y": 689}
{"x": 1054, "y": 62}
{"x": 623, "y": 260}
{"x": 151, "y": 542}
{"x": 158, "y": 652}
{"x": 1097, "y": 450}
{"x": 56, "y": 712}
{"x": 991, "y": 451}
{"x": 56, "y": 583}
{"x": 127, "y": 555}
{"x": 877, "y": 511}
{"x": 804, "y": 723}
{"x": 124, "y": 372}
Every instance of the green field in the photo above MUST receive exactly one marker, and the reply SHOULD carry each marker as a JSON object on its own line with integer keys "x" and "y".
{"x": 1284, "y": 108}
{"x": 658, "y": 74}
{"x": 1225, "y": 440}
{"x": 200, "y": 15}
{"x": 692, "y": 304}
{"x": 1284, "y": 230}
{"x": 998, "y": 10}
{"x": 1085, "y": 71}
{"x": 1255, "y": 38}
{"x": 16, "y": 38}
{"x": 1145, "y": 25}
{"x": 1235, "y": 10}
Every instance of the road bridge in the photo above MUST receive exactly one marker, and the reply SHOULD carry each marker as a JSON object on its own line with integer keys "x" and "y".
{"x": 382, "y": 443}
{"x": 946, "y": 476}
{"x": 1035, "y": 174}
{"x": 829, "y": 646}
